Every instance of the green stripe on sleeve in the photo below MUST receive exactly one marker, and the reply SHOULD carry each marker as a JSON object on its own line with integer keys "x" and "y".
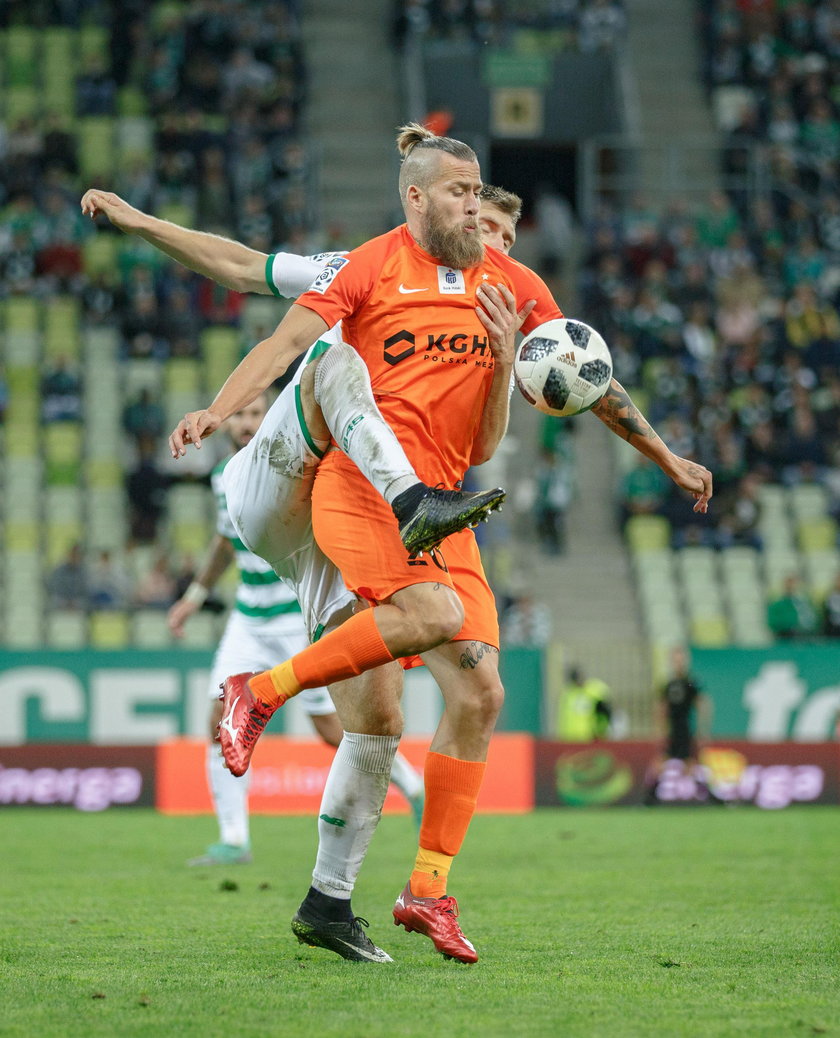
{"x": 269, "y": 275}
{"x": 303, "y": 426}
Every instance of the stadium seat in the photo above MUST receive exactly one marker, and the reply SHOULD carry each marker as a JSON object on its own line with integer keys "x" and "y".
{"x": 22, "y": 314}
{"x": 21, "y": 497}
{"x": 647, "y": 533}
{"x": 821, "y": 569}
{"x": 201, "y": 632}
{"x": 149, "y": 629}
{"x": 709, "y": 632}
{"x": 817, "y": 534}
{"x": 100, "y": 254}
{"x": 220, "y": 348}
{"x": 778, "y": 565}
{"x": 182, "y": 375}
{"x": 62, "y": 335}
{"x": 131, "y": 102}
{"x": 109, "y": 630}
{"x": 809, "y": 501}
{"x": 66, "y": 629}
{"x": 97, "y": 146}
{"x": 20, "y": 102}
{"x": 63, "y": 453}
{"x": 21, "y": 56}
{"x": 93, "y": 42}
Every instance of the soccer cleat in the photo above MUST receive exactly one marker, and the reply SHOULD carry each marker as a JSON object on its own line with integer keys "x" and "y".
{"x": 243, "y": 719}
{"x": 437, "y": 918}
{"x": 346, "y": 939}
{"x": 427, "y": 515}
{"x": 223, "y": 854}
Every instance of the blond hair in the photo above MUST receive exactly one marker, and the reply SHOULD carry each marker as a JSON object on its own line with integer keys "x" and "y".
{"x": 505, "y": 201}
{"x": 419, "y": 149}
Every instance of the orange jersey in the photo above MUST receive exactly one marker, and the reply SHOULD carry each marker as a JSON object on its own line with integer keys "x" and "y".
{"x": 413, "y": 322}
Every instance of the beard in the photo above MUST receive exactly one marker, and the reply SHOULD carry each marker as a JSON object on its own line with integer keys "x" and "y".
{"x": 453, "y": 246}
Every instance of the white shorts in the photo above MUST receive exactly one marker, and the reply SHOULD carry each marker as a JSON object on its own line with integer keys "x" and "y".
{"x": 249, "y": 644}
{"x": 268, "y": 488}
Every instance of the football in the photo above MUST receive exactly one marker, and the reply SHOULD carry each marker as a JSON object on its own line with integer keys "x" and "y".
{"x": 563, "y": 367}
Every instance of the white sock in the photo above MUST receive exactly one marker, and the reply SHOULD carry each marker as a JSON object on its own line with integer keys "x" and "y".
{"x": 408, "y": 781}
{"x": 342, "y": 389}
{"x": 350, "y": 809}
{"x": 230, "y": 798}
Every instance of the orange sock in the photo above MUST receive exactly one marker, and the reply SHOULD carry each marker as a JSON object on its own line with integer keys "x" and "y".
{"x": 452, "y": 787}
{"x": 352, "y": 648}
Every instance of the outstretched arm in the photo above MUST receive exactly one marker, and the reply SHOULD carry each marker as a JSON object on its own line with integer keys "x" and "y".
{"x": 618, "y": 412}
{"x": 231, "y": 264}
{"x": 497, "y": 311}
{"x": 265, "y": 363}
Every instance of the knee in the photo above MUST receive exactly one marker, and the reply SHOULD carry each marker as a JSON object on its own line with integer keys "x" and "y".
{"x": 483, "y": 703}
{"x": 442, "y": 624}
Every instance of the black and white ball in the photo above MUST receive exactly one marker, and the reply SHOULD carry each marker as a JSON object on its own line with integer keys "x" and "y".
{"x": 563, "y": 367}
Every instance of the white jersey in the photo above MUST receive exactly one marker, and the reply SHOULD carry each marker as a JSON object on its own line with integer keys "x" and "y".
{"x": 268, "y": 484}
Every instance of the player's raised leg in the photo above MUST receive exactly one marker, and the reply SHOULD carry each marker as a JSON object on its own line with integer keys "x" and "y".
{"x": 340, "y": 387}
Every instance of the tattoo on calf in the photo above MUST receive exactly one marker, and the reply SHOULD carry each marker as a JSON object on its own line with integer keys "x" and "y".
{"x": 472, "y": 656}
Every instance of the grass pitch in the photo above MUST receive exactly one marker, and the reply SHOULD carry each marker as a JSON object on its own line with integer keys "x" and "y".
{"x": 664, "y": 922}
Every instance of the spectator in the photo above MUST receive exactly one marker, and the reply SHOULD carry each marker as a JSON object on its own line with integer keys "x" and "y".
{"x": 61, "y": 393}
{"x": 157, "y": 589}
{"x": 792, "y": 615}
{"x": 144, "y": 419}
{"x": 146, "y": 487}
{"x": 583, "y": 710}
{"x": 108, "y": 583}
{"x": 67, "y": 583}
{"x": 526, "y": 622}
{"x": 831, "y": 611}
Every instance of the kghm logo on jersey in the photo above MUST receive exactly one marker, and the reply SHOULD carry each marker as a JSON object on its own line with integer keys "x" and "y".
{"x": 325, "y": 278}
{"x": 443, "y": 348}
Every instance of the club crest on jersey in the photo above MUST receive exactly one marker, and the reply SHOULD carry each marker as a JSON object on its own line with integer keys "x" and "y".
{"x": 450, "y": 281}
{"x": 325, "y": 278}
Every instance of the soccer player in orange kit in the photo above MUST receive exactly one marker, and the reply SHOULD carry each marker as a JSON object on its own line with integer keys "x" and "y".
{"x": 409, "y": 303}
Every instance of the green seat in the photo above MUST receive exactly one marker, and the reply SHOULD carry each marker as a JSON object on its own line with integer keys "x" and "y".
{"x": 21, "y": 56}
{"x": 62, "y": 335}
{"x": 709, "y": 632}
{"x": 109, "y": 630}
{"x": 63, "y": 453}
{"x": 100, "y": 253}
{"x": 97, "y": 151}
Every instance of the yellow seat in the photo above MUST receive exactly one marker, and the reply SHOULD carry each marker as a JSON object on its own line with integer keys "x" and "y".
{"x": 103, "y": 473}
{"x": 61, "y": 535}
{"x": 220, "y": 347}
{"x": 22, "y": 315}
{"x": 109, "y": 630}
{"x": 100, "y": 254}
{"x": 22, "y": 536}
{"x": 817, "y": 534}
{"x": 97, "y": 153}
{"x": 62, "y": 336}
{"x": 709, "y": 632}
{"x": 182, "y": 375}
{"x": 647, "y": 533}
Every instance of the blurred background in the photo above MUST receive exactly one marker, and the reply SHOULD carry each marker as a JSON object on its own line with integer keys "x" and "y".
{"x": 678, "y": 162}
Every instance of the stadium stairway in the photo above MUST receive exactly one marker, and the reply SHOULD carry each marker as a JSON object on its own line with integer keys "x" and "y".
{"x": 665, "y": 104}
{"x": 353, "y": 112}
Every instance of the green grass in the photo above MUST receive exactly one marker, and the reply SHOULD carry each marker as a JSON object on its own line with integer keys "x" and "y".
{"x": 663, "y": 922}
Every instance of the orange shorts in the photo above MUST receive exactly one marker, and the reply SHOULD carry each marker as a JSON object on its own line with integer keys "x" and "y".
{"x": 357, "y": 530}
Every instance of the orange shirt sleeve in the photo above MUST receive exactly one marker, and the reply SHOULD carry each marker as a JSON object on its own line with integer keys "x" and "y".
{"x": 346, "y": 281}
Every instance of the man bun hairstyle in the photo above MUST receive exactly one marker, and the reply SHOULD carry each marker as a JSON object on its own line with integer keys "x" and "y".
{"x": 420, "y": 149}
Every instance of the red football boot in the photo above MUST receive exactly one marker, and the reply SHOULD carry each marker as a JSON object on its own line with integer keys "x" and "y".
{"x": 437, "y": 918}
{"x": 243, "y": 718}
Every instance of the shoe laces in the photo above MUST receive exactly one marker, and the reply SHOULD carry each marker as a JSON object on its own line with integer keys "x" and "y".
{"x": 258, "y": 718}
{"x": 448, "y": 904}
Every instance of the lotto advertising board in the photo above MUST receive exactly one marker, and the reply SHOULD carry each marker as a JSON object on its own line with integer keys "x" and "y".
{"x": 769, "y": 695}
{"x": 767, "y": 775}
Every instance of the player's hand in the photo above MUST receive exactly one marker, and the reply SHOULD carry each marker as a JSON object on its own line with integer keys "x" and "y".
{"x": 118, "y": 211}
{"x": 694, "y": 478}
{"x": 193, "y": 428}
{"x": 497, "y": 311}
{"x": 178, "y": 615}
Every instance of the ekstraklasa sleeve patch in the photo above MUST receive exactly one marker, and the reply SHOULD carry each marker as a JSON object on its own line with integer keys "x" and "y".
{"x": 325, "y": 278}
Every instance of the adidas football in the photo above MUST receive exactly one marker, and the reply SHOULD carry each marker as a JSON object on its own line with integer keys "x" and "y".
{"x": 563, "y": 367}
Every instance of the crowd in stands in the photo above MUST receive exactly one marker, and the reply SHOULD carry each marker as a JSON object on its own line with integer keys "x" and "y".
{"x": 189, "y": 110}
{"x": 586, "y": 25}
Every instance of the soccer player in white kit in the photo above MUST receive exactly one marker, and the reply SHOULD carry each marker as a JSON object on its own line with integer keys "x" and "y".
{"x": 265, "y": 624}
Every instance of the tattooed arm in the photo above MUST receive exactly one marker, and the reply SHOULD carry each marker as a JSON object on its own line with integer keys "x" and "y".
{"x": 618, "y": 412}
